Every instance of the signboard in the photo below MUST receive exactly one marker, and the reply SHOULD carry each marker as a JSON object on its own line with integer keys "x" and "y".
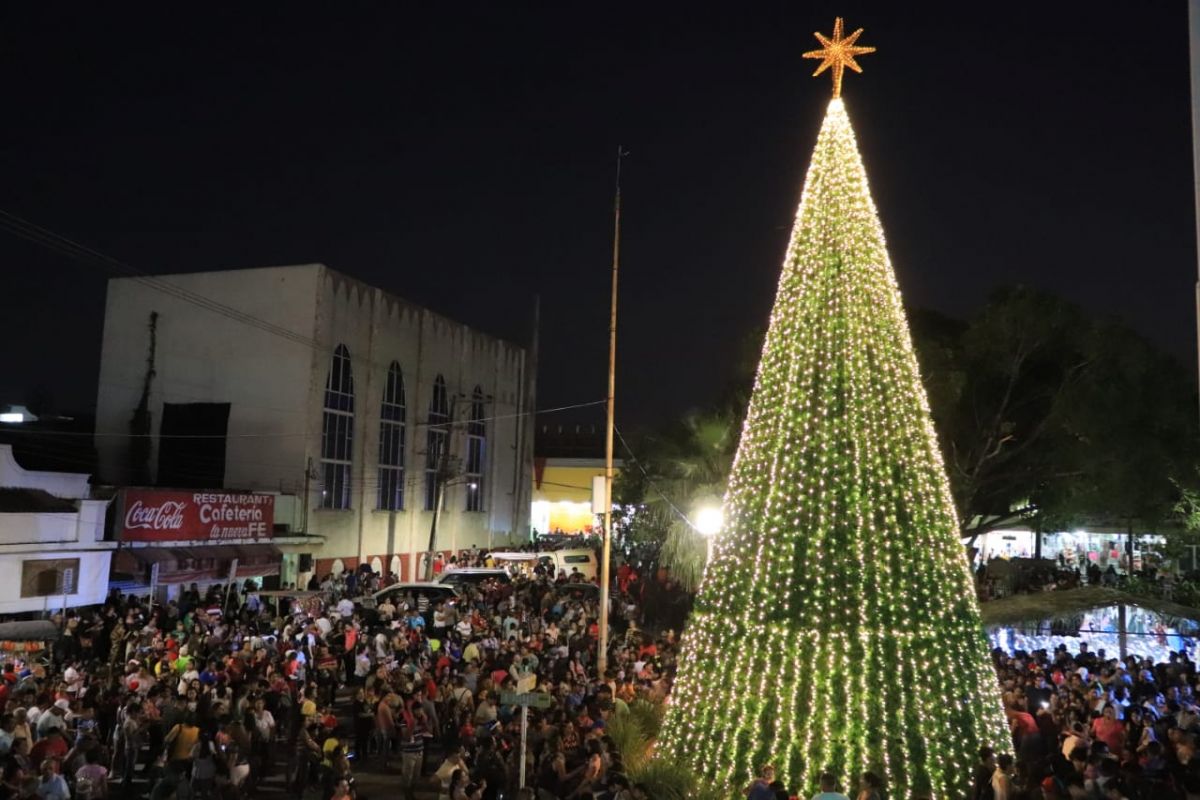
{"x": 153, "y": 515}
{"x": 526, "y": 699}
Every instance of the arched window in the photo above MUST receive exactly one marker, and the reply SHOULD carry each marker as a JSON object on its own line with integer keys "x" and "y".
{"x": 337, "y": 437}
{"x": 476, "y": 450}
{"x": 435, "y": 439}
{"x": 391, "y": 442}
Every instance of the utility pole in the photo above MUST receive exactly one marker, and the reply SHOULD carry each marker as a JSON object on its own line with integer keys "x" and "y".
{"x": 441, "y": 477}
{"x": 606, "y": 554}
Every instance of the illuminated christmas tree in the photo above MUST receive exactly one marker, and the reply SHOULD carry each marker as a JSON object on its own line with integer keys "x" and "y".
{"x": 837, "y": 627}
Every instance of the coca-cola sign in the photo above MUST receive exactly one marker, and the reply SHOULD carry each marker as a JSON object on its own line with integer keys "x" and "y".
{"x": 150, "y": 515}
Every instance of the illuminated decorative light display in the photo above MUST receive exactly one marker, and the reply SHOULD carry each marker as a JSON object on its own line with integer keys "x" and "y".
{"x": 838, "y": 52}
{"x": 837, "y": 626}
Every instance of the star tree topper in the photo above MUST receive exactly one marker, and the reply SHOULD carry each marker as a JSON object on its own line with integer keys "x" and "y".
{"x": 838, "y": 52}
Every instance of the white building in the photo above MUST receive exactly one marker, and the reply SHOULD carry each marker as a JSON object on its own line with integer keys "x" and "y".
{"x": 52, "y": 548}
{"x": 304, "y": 381}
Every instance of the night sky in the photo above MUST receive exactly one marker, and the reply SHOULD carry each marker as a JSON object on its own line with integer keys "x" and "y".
{"x": 463, "y": 159}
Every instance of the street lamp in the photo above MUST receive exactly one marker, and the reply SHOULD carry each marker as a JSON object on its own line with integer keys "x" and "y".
{"x": 708, "y": 523}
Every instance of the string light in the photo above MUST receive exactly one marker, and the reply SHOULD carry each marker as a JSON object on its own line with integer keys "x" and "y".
{"x": 837, "y": 627}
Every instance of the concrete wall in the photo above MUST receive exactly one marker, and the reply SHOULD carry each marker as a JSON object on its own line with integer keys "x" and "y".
{"x": 206, "y": 356}
{"x": 83, "y": 528}
{"x": 377, "y": 329}
{"x": 54, "y": 534}
{"x": 275, "y": 386}
{"x": 68, "y": 485}
{"x": 92, "y": 581}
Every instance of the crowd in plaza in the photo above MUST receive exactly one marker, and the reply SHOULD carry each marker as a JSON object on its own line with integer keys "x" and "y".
{"x": 213, "y": 693}
{"x": 1091, "y": 725}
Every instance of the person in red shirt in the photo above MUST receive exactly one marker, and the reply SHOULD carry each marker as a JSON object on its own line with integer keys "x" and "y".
{"x": 1021, "y": 722}
{"x": 1110, "y": 730}
{"x": 52, "y": 745}
{"x": 623, "y": 573}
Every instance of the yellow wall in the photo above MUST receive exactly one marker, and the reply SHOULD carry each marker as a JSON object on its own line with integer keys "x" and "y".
{"x": 562, "y": 494}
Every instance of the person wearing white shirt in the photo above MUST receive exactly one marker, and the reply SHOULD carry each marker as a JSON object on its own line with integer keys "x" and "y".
{"x": 1002, "y": 785}
{"x": 345, "y": 608}
{"x": 362, "y": 664}
{"x": 72, "y": 678}
{"x": 185, "y": 680}
{"x": 53, "y": 719}
{"x": 264, "y": 721}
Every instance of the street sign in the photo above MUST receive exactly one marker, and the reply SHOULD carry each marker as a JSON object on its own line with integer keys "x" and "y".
{"x": 526, "y": 699}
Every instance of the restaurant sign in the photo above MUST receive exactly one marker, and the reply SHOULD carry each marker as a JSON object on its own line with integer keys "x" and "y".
{"x": 152, "y": 515}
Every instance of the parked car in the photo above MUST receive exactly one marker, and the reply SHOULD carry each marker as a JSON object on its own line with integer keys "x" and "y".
{"x": 473, "y": 575}
{"x": 566, "y": 561}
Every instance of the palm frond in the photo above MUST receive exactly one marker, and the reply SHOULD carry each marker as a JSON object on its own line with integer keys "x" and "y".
{"x": 630, "y": 740}
{"x": 648, "y": 714}
{"x": 684, "y": 553}
{"x": 665, "y": 780}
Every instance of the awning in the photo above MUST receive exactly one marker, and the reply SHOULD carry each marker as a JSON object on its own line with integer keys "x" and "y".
{"x": 258, "y": 560}
{"x": 198, "y": 564}
{"x": 29, "y": 630}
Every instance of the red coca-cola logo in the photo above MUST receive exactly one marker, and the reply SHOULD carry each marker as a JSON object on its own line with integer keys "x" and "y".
{"x": 166, "y": 516}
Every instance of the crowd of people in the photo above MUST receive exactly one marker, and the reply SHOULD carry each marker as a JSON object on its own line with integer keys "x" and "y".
{"x": 213, "y": 693}
{"x": 223, "y": 694}
{"x": 1090, "y": 726}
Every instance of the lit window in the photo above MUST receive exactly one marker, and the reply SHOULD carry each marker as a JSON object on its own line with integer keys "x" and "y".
{"x": 337, "y": 436}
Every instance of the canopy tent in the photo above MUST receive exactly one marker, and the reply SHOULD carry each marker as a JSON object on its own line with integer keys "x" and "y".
{"x": 34, "y": 630}
{"x": 28, "y": 636}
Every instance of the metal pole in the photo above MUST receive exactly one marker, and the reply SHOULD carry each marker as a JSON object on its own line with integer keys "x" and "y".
{"x": 524, "y": 734}
{"x": 1122, "y": 632}
{"x": 1194, "y": 58}
{"x": 602, "y": 645}
{"x": 439, "y": 496}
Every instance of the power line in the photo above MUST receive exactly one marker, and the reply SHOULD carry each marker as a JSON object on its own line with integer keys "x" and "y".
{"x": 29, "y": 231}
{"x": 418, "y": 424}
{"x": 650, "y": 481}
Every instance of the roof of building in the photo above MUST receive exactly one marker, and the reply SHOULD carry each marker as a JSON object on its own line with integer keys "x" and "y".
{"x": 33, "y": 501}
{"x": 509, "y": 339}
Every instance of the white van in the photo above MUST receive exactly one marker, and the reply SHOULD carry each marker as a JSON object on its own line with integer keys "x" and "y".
{"x": 515, "y": 562}
{"x": 569, "y": 560}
